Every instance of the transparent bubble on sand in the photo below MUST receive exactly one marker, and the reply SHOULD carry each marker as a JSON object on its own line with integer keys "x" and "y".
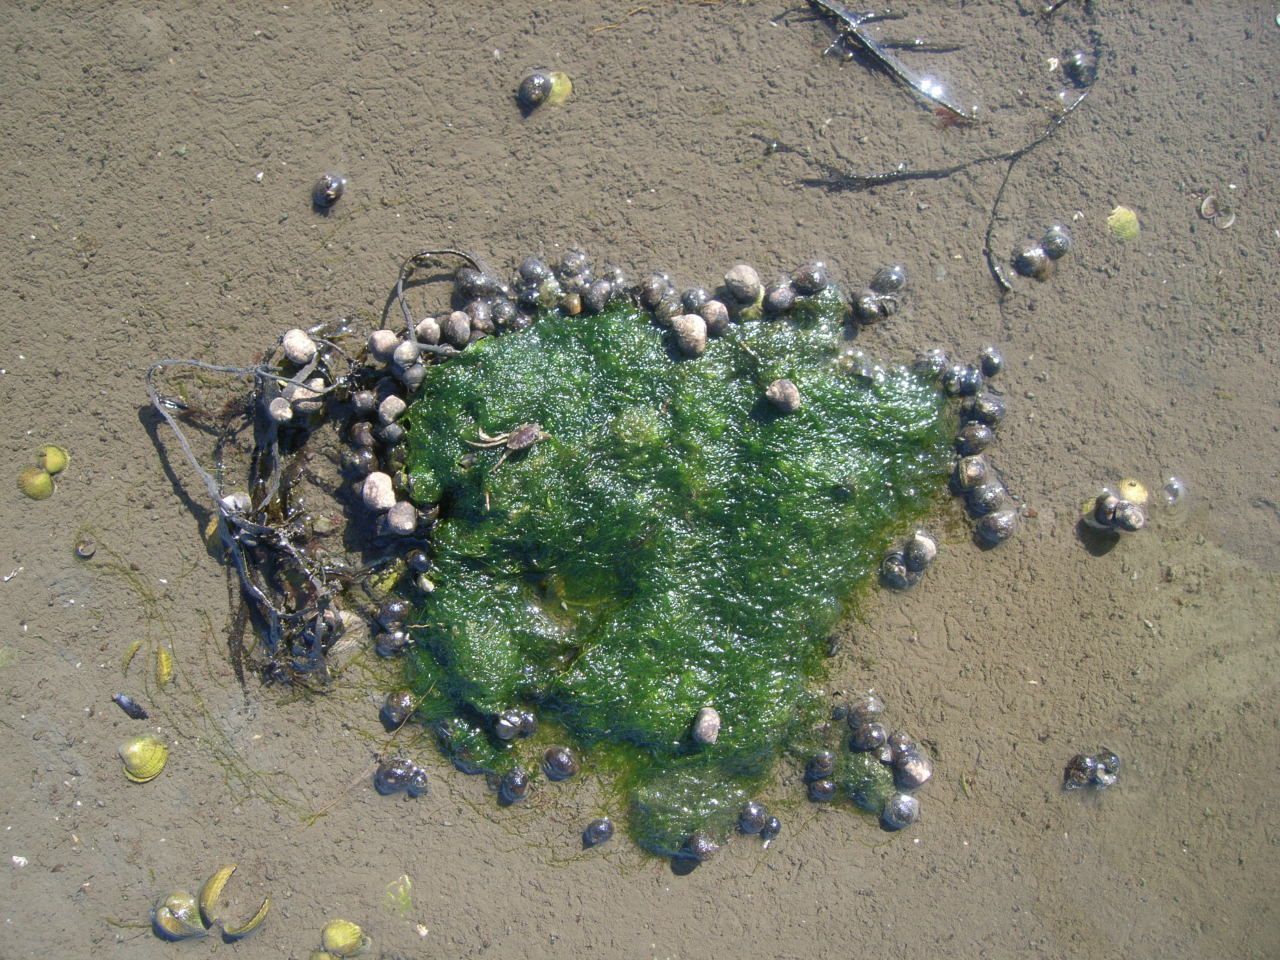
{"x": 1173, "y": 493}
{"x": 1172, "y": 499}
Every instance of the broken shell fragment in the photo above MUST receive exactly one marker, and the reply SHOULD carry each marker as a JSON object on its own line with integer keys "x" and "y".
{"x": 164, "y": 666}
{"x": 36, "y": 483}
{"x": 342, "y": 938}
{"x": 239, "y": 932}
{"x": 211, "y": 893}
{"x": 143, "y": 757}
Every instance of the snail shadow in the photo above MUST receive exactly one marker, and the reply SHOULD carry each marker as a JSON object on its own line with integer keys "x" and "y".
{"x": 683, "y": 866}
{"x": 1097, "y": 542}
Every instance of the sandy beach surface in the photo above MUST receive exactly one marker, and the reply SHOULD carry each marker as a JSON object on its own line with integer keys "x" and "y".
{"x": 157, "y": 168}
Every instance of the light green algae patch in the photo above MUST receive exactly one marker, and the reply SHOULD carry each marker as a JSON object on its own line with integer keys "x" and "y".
{"x": 673, "y": 543}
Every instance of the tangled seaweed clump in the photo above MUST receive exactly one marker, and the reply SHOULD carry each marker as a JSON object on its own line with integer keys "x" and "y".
{"x": 662, "y": 539}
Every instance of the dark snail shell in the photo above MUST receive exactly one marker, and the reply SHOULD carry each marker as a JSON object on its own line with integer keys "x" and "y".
{"x": 393, "y": 774}
{"x": 869, "y": 736}
{"x": 822, "y": 791}
{"x": 559, "y": 763}
{"x": 820, "y": 766}
{"x": 514, "y": 786}
{"x": 900, "y": 810}
{"x": 752, "y": 818}
{"x": 701, "y": 847}
{"x": 598, "y": 831}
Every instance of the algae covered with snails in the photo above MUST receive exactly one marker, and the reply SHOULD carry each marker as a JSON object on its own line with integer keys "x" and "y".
{"x": 579, "y": 575}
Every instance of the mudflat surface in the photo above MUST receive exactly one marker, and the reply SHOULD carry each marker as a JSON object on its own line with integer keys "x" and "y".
{"x": 157, "y": 169}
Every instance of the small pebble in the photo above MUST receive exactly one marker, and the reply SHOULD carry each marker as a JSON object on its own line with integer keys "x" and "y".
{"x": 412, "y": 377}
{"x": 406, "y": 354}
{"x": 743, "y": 283}
{"x": 716, "y": 316}
{"x": 706, "y": 726}
{"x": 772, "y": 827}
{"x": 378, "y": 492}
{"x": 690, "y": 331}
{"x": 280, "y": 410}
{"x": 382, "y": 344}
{"x": 389, "y": 410}
{"x": 784, "y": 395}
{"x": 298, "y": 346}
{"x": 402, "y": 518}
{"x": 428, "y": 331}
{"x": 364, "y": 401}
{"x": 456, "y": 330}
{"x": 865, "y": 706}
{"x": 309, "y": 398}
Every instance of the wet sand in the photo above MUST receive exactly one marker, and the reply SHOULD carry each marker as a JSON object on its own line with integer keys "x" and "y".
{"x": 157, "y": 172}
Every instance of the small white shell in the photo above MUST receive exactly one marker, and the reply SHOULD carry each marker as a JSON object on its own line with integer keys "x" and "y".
{"x": 706, "y": 726}
{"x": 378, "y": 492}
{"x": 298, "y": 346}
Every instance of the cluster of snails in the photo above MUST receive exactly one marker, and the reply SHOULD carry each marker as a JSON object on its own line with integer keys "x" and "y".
{"x": 1037, "y": 258}
{"x": 987, "y": 501}
{"x": 911, "y": 765}
{"x": 1119, "y": 510}
{"x": 1099, "y": 770}
{"x": 905, "y": 564}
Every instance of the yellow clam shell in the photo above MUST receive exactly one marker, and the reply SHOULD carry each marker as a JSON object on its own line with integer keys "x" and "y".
{"x": 1133, "y": 490}
{"x": 144, "y": 757}
{"x": 343, "y": 938}
{"x": 211, "y": 893}
{"x": 1123, "y": 223}
{"x": 250, "y": 925}
{"x": 36, "y": 483}
{"x": 53, "y": 459}
{"x": 561, "y": 88}
{"x": 321, "y": 955}
{"x": 177, "y": 917}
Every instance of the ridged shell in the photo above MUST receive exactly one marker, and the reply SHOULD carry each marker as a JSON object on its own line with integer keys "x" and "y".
{"x": 144, "y": 757}
{"x": 343, "y": 938}
{"x": 36, "y": 483}
{"x": 53, "y": 459}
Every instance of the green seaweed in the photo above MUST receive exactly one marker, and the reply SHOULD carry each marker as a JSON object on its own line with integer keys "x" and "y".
{"x": 672, "y": 543}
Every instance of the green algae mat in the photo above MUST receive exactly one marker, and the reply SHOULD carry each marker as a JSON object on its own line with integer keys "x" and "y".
{"x": 669, "y": 542}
